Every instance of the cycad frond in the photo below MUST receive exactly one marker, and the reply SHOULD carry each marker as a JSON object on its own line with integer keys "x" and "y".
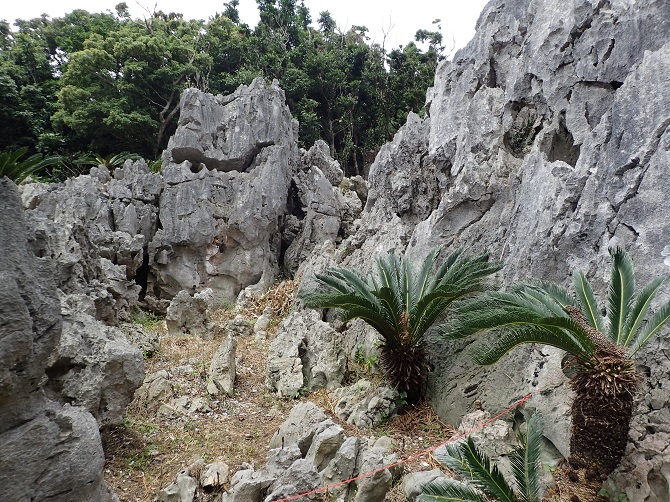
{"x": 525, "y": 460}
{"x": 642, "y": 303}
{"x": 18, "y": 170}
{"x": 620, "y": 294}
{"x": 588, "y": 302}
{"x": 551, "y": 331}
{"x": 474, "y": 466}
{"x": 651, "y": 328}
{"x": 448, "y": 490}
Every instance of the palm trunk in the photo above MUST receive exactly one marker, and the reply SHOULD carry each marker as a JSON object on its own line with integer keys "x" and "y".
{"x": 603, "y": 406}
{"x": 406, "y": 368}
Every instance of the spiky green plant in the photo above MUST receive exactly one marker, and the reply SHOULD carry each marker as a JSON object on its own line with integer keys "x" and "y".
{"x": 112, "y": 161}
{"x": 601, "y": 351}
{"x": 401, "y": 304}
{"x": 481, "y": 480}
{"x": 18, "y": 170}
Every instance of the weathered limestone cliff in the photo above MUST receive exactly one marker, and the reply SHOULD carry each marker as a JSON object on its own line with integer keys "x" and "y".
{"x": 546, "y": 142}
{"x": 48, "y": 450}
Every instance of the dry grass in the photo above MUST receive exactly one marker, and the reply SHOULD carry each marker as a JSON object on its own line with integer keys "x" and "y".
{"x": 146, "y": 453}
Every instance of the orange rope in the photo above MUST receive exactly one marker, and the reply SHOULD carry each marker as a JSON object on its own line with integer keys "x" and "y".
{"x": 415, "y": 456}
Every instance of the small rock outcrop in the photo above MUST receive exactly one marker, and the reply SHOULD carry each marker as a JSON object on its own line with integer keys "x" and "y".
{"x": 305, "y": 354}
{"x": 310, "y": 451}
{"x": 48, "y": 450}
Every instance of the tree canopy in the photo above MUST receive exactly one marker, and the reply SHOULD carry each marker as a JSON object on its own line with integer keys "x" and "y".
{"x": 105, "y": 83}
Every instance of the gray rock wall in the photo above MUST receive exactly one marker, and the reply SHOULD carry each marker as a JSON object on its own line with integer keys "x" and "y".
{"x": 48, "y": 451}
{"x": 546, "y": 142}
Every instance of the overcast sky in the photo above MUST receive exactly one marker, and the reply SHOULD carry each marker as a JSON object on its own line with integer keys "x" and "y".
{"x": 402, "y": 17}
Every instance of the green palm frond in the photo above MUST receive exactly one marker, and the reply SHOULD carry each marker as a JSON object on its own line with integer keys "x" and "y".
{"x": 588, "y": 302}
{"x": 18, "y": 170}
{"x": 620, "y": 294}
{"x": 642, "y": 303}
{"x": 525, "y": 460}
{"x": 475, "y": 467}
{"x": 399, "y": 302}
{"x": 490, "y": 352}
{"x": 651, "y": 328}
{"x": 448, "y": 490}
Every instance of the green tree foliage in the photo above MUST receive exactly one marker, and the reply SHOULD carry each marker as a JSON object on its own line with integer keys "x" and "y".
{"x": 401, "y": 304}
{"x": 481, "y": 480}
{"x": 105, "y": 82}
{"x": 601, "y": 349}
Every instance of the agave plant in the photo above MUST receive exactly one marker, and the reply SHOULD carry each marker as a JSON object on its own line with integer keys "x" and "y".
{"x": 600, "y": 351}
{"x": 481, "y": 480}
{"x": 401, "y": 304}
{"x": 18, "y": 170}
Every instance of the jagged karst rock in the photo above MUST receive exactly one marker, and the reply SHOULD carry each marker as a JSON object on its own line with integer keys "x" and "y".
{"x": 191, "y": 314}
{"x": 48, "y": 451}
{"x": 319, "y": 156}
{"x": 306, "y": 353}
{"x": 96, "y": 229}
{"x": 227, "y": 172}
{"x": 146, "y": 340}
{"x": 321, "y": 212}
{"x": 309, "y": 451}
{"x": 366, "y": 405}
{"x": 154, "y": 391}
{"x": 93, "y": 366}
{"x": 222, "y": 368}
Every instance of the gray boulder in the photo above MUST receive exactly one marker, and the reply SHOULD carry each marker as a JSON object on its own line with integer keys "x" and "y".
{"x": 191, "y": 314}
{"x": 306, "y": 353}
{"x": 365, "y": 404}
{"x": 222, "y": 369}
{"x": 93, "y": 366}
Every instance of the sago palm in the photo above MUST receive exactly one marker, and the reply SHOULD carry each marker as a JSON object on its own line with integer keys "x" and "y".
{"x": 401, "y": 304}
{"x": 481, "y": 480}
{"x": 18, "y": 170}
{"x": 600, "y": 350}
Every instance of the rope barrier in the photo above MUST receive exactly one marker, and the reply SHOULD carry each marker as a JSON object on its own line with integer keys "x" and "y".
{"x": 415, "y": 456}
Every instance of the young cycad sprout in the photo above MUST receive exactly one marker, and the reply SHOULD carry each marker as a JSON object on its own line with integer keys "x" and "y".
{"x": 481, "y": 480}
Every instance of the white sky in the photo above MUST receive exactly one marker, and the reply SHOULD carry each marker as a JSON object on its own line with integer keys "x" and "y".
{"x": 403, "y": 16}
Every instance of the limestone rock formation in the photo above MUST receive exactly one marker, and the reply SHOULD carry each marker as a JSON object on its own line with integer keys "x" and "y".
{"x": 546, "y": 142}
{"x": 48, "y": 451}
{"x": 310, "y": 451}
{"x": 227, "y": 173}
{"x": 305, "y": 354}
{"x": 93, "y": 366}
{"x": 97, "y": 228}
